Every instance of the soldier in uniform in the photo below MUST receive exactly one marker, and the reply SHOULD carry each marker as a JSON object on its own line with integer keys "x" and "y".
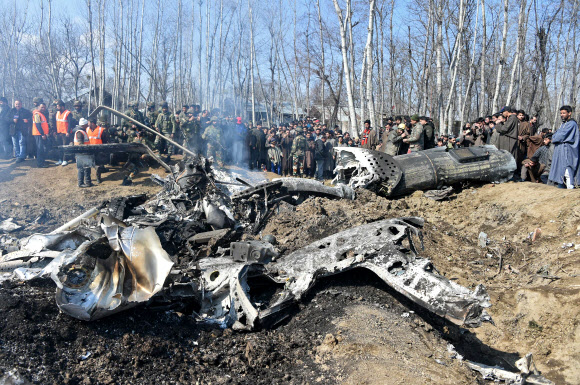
{"x": 298, "y": 151}
{"x": 77, "y": 112}
{"x": 213, "y": 136}
{"x": 165, "y": 124}
{"x": 152, "y": 114}
{"x": 134, "y": 113}
{"x": 416, "y": 139}
{"x": 190, "y": 129}
{"x": 182, "y": 120}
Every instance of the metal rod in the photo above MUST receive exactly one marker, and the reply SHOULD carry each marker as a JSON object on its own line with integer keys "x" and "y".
{"x": 67, "y": 226}
{"x": 117, "y": 113}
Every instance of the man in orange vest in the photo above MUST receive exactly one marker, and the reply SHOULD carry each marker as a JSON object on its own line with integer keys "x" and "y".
{"x": 81, "y": 138}
{"x": 40, "y": 131}
{"x": 97, "y": 135}
{"x": 64, "y": 125}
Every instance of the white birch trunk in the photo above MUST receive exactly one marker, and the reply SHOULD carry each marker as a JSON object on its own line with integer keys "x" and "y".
{"x": 502, "y": 56}
{"x": 346, "y": 66}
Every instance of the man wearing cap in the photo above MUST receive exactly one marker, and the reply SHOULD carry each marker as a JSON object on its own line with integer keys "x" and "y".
{"x": 183, "y": 118}
{"x": 81, "y": 138}
{"x": 165, "y": 124}
{"x": 369, "y": 137}
{"x": 151, "y": 114}
{"x": 428, "y": 131}
{"x": 5, "y": 120}
{"x": 416, "y": 138}
{"x": 134, "y": 113}
{"x": 40, "y": 132}
{"x": 64, "y": 125}
{"x": 393, "y": 142}
{"x": 213, "y": 136}
{"x": 77, "y": 112}
{"x": 298, "y": 151}
{"x": 191, "y": 138}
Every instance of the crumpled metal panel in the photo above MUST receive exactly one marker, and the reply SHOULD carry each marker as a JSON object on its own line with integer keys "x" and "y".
{"x": 91, "y": 287}
{"x": 384, "y": 247}
{"x": 380, "y": 247}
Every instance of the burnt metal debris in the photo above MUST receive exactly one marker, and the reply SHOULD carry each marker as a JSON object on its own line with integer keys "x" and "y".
{"x": 194, "y": 245}
{"x": 194, "y": 248}
{"x": 424, "y": 170}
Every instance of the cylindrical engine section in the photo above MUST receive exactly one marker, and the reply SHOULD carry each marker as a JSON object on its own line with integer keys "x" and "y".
{"x": 436, "y": 167}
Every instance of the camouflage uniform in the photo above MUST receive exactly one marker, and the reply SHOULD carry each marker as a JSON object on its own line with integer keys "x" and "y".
{"x": 416, "y": 141}
{"x": 134, "y": 113}
{"x": 190, "y": 129}
{"x": 213, "y": 136}
{"x": 77, "y": 112}
{"x": 298, "y": 151}
{"x": 152, "y": 114}
{"x": 165, "y": 124}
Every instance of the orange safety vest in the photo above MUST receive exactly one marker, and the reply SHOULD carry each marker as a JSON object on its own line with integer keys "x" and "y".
{"x": 43, "y": 124}
{"x": 85, "y": 138}
{"x": 62, "y": 122}
{"x": 96, "y": 135}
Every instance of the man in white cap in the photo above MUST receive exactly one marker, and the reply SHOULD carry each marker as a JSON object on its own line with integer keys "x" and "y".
{"x": 81, "y": 138}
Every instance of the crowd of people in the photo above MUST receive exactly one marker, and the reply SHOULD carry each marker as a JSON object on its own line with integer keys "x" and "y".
{"x": 302, "y": 148}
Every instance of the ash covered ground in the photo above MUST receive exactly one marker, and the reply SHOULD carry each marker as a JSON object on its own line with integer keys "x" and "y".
{"x": 350, "y": 329}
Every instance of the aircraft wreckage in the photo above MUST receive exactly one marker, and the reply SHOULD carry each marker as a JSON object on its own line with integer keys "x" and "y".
{"x": 193, "y": 247}
{"x": 185, "y": 245}
{"x": 393, "y": 176}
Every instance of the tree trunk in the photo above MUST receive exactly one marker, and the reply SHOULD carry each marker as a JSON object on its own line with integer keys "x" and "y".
{"x": 502, "y": 56}
{"x": 346, "y": 66}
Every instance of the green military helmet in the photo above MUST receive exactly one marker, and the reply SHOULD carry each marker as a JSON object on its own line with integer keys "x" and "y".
{"x": 299, "y": 130}
{"x": 103, "y": 120}
{"x": 191, "y": 110}
{"x": 150, "y": 104}
{"x": 214, "y": 118}
{"x": 133, "y": 103}
{"x": 77, "y": 103}
{"x": 164, "y": 105}
{"x": 37, "y": 100}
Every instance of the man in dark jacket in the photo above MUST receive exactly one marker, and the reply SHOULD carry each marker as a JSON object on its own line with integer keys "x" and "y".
{"x": 508, "y": 135}
{"x": 428, "y": 131}
{"x": 320, "y": 154}
{"x": 5, "y": 140}
{"x": 19, "y": 129}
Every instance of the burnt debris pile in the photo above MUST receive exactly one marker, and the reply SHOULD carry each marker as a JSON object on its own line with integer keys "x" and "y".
{"x": 196, "y": 247}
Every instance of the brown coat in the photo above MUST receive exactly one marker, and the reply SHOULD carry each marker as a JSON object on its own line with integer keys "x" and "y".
{"x": 372, "y": 141}
{"x": 508, "y": 135}
{"x": 309, "y": 161}
{"x": 524, "y": 132}
{"x": 534, "y": 142}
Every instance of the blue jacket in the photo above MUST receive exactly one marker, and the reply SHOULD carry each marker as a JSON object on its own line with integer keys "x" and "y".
{"x": 566, "y": 152}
